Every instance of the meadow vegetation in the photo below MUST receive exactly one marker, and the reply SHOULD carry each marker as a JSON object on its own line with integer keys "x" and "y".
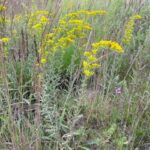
{"x": 75, "y": 75}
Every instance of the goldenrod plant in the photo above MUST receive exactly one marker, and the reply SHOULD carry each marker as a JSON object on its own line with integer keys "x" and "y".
{"x": 92, "y": 61}
{"x": 129, "y": 28}
{"x": 74, "y": 74}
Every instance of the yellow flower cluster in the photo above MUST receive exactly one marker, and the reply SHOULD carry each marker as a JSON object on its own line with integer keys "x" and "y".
{"x": 91, "y": 60}
{"x": 2, "y": 8}
{"x": 66, "y": 33}
{"x": 129, "y": 28}
{"x": 43, "y": 56}
{"x": 87, "y": 12}
{"x": 68, "y": 30}
{"x": 5, "y": 40}
{"x": 90, "y": 64}
{"x": 111, "y": 44}
{"x": 17, "y": 18}
{"x": 42, "y": 22}
{"x": 38, "y": 20}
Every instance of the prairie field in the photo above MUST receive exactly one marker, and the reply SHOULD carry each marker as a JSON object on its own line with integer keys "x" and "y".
{"x": 74, "y": 74}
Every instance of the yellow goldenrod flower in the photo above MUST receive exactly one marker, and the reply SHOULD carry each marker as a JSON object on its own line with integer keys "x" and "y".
{"x": 50, "y": 35}
{"x": 76, "y": 21}
{"x": 92, "y": 58}
{"x": 2, "y": 8}
{"x": 50, "y": 42}
{"x": 17, "y": 18}
{"x": 136, "y": 17}
{"x": 37, "y": 26}
{"x": 95, "y": 65}
{"x": 87, "y": 27}
{"x": 62, "y": 22}
{"x": 43, "y": 20}
{"x": 128, "y": 34}
{"x": 88, "y": 54}
{"x": 88, "y": 73}
{"x": 116, "y": 47}
{"x": 94, "y": 51}
{"x": 113, "y": 45}
{"x": 86, "y": 12}
{"x": 5, "y": 40}
{"x": 85, "y": 64}
{"x": 91, "y": 61}
{"x": 43, "y": 61}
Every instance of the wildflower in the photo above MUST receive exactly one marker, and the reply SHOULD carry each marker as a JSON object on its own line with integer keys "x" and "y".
{"x": 76, "y": 21}
{"x": 88, "y": 73}
{"x": 113, "y": 45}
{"x": 90, "y": 63}
{"x": 87, "y": 13}
{"x": 136, "y": 17}
{"x": 5, "y": 40}
{"x": 50, "y": 42}
{"x": 37, "y": 26}
{"x": 50, "y": 35}
{"x": 43, "y": 61}
{"x": 95, "y": 65}
{"x": 87, "y": 27}
{"x": 43, "y": 20}
{"x": 94, "y": 51}
{"x": 62, "y": 22}
{"x": 91, "y": 60}
{"x": 85, "y": 64}
{"x": 129, "y": 28}
{"x": 2, "y": 8}
{"x": 17, "y": 18}
{"x": 88, "y": 54}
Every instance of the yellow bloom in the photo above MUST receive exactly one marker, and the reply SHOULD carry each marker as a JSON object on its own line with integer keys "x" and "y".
{"x": 116, "y": 47}
{"x": 2, "y": 8}
{"x": 88, "y": 73}
{"x": 128, "y": 33}
{"x": 113, "y": 45}
{"x": 92, "y": 58}
{"x": 44, "y": 20}
{"x": 17, "y": 18}
{"x": 88, "y": 27}
{"x": 94, "y": 51}
{"x": 50, "y": 42}
{"x": 95, "y": 65}
{"x": 50, "y": 35}
{"x": 136, "y": 17}
{"x": 43, "y": 61}
{"x": 85, "y": 64}
{"x": 86, "y": 12}
{"x": 37, "y": 26}
{"x": 62, "y": 22}
{"x": 76, "y": 21}
{"x": 88, "y": 54}
{"x": 5, "y": 40}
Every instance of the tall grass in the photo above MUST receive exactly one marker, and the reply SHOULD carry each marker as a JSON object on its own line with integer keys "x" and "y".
{"x": 47, "y": 103}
